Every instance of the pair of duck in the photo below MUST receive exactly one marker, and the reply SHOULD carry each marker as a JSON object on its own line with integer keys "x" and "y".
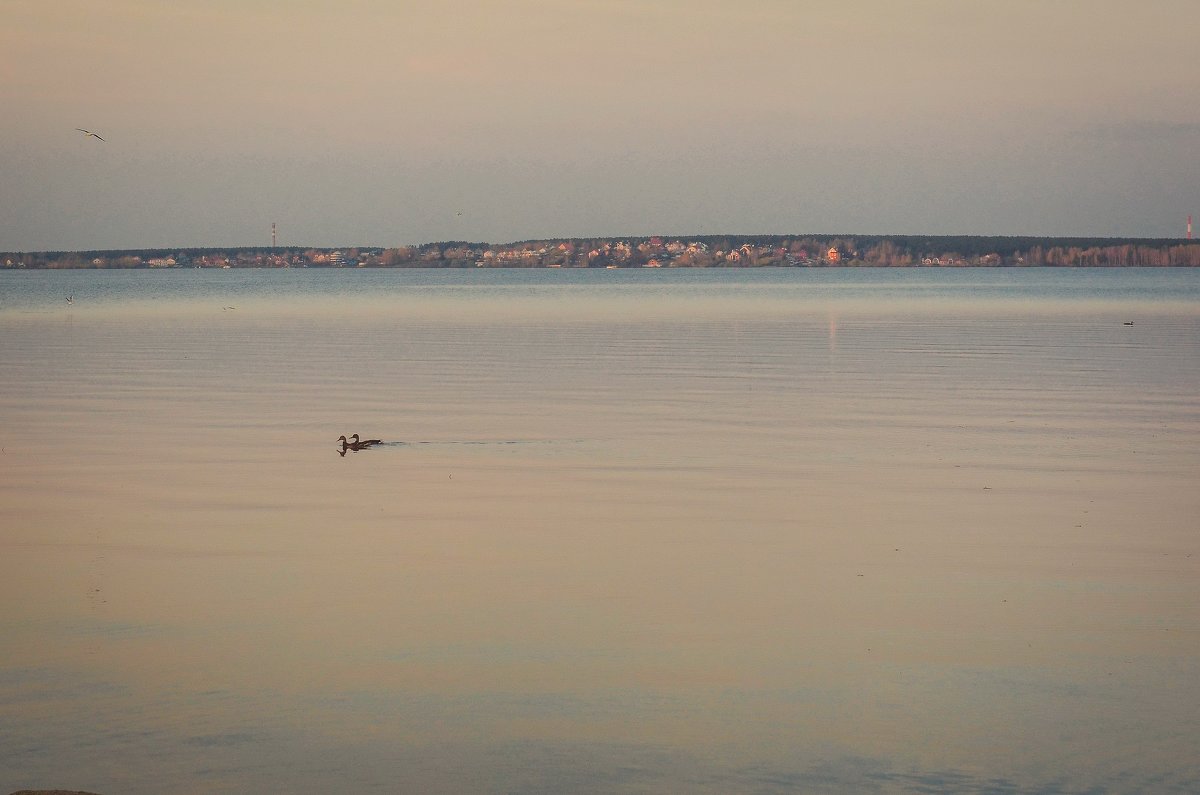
{"x": 354, "y": 443}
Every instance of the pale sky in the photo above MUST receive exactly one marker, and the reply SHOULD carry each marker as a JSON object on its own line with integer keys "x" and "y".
{"x": 377, "y": 122}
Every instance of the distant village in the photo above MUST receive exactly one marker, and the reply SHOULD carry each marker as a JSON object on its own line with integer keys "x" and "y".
{"x": 658, "y": 252}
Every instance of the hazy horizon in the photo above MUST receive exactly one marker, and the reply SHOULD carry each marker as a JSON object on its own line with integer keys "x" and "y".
{"x": 380, "y": 124}
{"x": 217, "y": 247}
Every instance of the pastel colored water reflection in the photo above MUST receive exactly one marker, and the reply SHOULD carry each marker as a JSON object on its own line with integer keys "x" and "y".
{"x": 711, "y": 532}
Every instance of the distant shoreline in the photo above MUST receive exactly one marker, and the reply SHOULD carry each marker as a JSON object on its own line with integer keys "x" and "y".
{"x": 704, "y": 251}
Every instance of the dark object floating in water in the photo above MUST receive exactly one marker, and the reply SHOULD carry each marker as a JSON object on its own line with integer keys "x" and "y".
{"x": 1128, "y": 322}
{"x": 356, "y": 444}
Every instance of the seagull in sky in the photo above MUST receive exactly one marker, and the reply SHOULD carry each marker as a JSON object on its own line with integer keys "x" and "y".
{"x": 90, "y": 133}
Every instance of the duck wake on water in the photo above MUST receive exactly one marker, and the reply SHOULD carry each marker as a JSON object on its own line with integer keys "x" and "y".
{"x": 355, "y": 444}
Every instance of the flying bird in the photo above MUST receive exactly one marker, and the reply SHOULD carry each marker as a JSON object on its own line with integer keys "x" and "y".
{"x": 90, "y": 133}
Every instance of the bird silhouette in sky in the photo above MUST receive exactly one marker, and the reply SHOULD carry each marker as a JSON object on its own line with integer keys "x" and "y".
{"x": 90, "y": 133}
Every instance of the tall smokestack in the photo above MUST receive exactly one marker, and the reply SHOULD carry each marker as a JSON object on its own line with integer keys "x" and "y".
{"x": 1189, "y": 227}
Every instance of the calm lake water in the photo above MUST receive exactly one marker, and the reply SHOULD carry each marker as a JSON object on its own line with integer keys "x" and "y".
{"x": 833, "y": 531}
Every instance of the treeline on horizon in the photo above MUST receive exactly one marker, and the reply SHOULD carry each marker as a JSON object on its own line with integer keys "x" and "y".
{"x": 691, "y": 251}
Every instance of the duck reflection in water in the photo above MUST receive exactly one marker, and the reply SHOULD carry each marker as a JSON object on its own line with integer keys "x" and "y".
{"x": 356, "y": 444}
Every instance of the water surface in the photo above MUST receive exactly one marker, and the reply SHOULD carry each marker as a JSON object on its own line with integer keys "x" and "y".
{"x": 728, "y": 531}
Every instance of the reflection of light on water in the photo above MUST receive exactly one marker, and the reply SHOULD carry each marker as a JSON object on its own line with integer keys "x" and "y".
{"x": 578, "y": 523}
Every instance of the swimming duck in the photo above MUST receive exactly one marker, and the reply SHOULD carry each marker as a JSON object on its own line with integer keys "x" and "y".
{"x": 354, "y": 443}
